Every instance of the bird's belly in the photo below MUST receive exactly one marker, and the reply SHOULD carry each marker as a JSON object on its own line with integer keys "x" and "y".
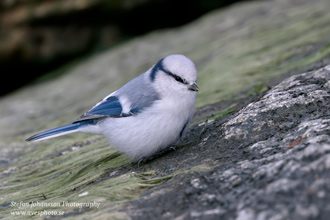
{"x": 144, "y": 134}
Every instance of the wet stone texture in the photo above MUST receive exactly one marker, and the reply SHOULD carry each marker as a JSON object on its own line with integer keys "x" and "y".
{"x": 273, "y": 161}
{"x": 248, "y": 154}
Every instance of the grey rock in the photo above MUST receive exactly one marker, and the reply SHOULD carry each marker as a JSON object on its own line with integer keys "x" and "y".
{"x": 240, "y": 52}
{"x": 284, "y": 170}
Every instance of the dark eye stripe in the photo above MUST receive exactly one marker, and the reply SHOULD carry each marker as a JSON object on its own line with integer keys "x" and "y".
{"x": 159, "y": 66}
{"x": 178, "y": 78}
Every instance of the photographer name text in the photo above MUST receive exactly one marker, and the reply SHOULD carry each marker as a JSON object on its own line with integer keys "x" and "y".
{"x": 22, "y": 204}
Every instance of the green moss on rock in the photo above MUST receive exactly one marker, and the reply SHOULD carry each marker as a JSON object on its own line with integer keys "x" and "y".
{"x": 235, "y": 49}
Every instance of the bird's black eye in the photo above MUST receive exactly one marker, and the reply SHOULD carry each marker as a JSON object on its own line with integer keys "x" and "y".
{"x": 178, "y": 78}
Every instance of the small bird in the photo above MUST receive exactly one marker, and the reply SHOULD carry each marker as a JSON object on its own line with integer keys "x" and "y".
{"x": 145, "y": 116}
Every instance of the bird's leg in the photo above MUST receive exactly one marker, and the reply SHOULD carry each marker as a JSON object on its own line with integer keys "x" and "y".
{"x": 158, "y": 154}
{"x": 141, "y": 160}
{"x": 173, "y": 147}
{"x": 166, "y": 150}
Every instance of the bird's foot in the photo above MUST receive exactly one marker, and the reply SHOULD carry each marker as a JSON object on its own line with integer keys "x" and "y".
{"x": 158, "y": 154}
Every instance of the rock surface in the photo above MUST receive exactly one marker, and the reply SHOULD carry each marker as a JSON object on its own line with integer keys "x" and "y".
{"x": 248, "y": 154}
{"x": 281, "y": 146}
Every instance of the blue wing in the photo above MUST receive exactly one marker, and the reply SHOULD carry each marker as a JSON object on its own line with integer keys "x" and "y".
{"x": 109, "y": 107}
{"x": 139, "y": 94}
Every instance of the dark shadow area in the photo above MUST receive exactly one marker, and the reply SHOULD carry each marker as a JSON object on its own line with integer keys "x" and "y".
{"x": 60, "y": 37}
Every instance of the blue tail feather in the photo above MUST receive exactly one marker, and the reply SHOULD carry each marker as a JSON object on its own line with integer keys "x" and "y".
{"x": 66, "y": 129}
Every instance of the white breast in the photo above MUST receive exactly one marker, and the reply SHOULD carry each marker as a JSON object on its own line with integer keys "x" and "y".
{"x": 154, "y": 129}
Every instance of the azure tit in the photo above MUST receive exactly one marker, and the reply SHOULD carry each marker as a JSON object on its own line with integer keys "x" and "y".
{"x": 148, "y": 114}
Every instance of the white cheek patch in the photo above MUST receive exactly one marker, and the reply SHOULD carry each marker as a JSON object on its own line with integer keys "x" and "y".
{"x": 125, "y": 104}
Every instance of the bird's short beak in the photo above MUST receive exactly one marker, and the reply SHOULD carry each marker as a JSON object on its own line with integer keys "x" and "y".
{"x": 193, "y": 87}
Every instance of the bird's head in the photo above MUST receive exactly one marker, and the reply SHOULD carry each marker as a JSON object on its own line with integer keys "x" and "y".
{"x": 175, "y": 73}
